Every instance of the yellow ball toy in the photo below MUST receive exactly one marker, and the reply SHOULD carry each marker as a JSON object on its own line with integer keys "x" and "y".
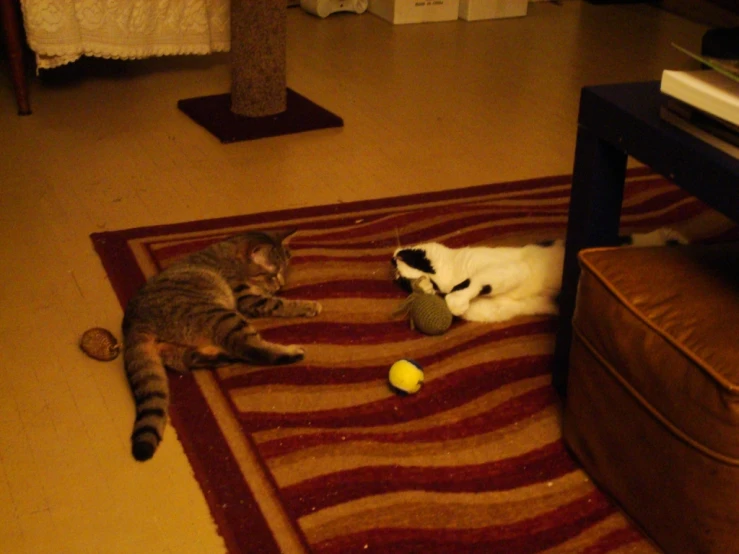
{"x": 406, "y": 376}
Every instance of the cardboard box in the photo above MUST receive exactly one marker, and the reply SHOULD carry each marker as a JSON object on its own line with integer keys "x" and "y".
{"x": 415, "y": 11}
{"x": 472, "y": 10}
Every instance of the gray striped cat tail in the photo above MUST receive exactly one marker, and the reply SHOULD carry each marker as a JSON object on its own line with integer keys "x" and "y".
{"x": 148, "y": 379}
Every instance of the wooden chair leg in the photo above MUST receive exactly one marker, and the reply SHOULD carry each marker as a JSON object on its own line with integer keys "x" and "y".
{"x": 11, "y": 25}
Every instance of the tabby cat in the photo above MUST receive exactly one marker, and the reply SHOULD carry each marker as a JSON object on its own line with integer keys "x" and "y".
{"x": 194, "y": 315}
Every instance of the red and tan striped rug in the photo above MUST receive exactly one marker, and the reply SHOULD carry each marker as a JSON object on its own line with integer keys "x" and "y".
{"x": 322, "y": 457}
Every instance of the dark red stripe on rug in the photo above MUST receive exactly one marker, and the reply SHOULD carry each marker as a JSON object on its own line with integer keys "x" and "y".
{"x": 443, "y": 394}
{"x": 310, "y": 374}
{"x": 342, "y": 333}
{"x": 526, "y": 536}
{"x": 351, "y": 333}
{"x": 514, "y": 410}
{"x": 348, "y": 288}
{"x": 539, "y": 466}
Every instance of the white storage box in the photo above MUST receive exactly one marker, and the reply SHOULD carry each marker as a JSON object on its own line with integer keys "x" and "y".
{"x": 415, "y": 11}
{"x": 471, "y": 10}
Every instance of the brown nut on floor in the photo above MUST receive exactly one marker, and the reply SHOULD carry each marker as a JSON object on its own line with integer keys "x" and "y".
{"x": 100, "y": 344}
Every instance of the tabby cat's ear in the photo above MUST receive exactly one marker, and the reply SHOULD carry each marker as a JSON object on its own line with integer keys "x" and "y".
{"x": 279, "y": 235}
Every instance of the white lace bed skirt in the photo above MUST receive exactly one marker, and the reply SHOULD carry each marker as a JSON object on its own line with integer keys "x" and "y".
{"x": 61, "y": 31}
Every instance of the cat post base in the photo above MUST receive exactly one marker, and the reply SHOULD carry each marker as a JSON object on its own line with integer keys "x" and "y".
{"x": 214, "y": 114}
{"x": 260, "y": 105}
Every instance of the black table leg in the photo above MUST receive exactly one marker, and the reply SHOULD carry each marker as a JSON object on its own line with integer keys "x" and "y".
{"x": 594, "y": 214}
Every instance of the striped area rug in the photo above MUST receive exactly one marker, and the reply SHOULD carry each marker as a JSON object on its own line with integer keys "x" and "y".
{"x": 322, "y": 457}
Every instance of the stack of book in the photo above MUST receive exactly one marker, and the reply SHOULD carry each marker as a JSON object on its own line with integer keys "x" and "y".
{"x": 704, "y": 102}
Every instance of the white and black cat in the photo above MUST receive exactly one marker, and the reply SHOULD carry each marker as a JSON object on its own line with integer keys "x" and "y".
{"x": 495, "y": 284}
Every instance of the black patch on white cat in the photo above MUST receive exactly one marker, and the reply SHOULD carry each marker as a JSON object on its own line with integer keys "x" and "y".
{"x": 461, "y": 286}
{"x": 625, "y": 240}
{"x": 437, "y": 290}
{"x": 486, "y": 289}
{"x": 404, "y": 283}
{"x": 546, "y": 243}
{"x": 416, "y": 259}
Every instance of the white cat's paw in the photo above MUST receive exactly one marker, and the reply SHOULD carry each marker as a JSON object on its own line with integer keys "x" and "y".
{"x": 457, "y": 304}
{"x": 423, "y": 284}
{"x": 658, "y": 237}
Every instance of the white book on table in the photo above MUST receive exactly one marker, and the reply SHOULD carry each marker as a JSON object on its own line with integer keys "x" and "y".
{"x": 706, "y": 90}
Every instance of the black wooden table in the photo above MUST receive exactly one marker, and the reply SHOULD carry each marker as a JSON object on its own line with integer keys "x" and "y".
{"x": 616, "y": 121}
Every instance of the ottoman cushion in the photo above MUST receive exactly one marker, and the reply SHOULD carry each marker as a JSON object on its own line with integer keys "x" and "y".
{"x": 652, "y": 408}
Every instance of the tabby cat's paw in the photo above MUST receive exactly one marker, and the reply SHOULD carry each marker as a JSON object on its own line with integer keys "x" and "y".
{"x": 312, "y": 309}
{"x": 292, "y": 354}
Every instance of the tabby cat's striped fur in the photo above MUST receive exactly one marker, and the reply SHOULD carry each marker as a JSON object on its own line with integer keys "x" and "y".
{"x": 194, "y": 315}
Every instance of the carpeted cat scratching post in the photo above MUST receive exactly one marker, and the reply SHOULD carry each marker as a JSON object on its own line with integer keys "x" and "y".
{"x": 258, "y": 57}
{"x": 260, "y": 105}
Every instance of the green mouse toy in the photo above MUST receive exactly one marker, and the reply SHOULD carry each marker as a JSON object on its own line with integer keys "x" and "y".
{"x": 428, "y": 312}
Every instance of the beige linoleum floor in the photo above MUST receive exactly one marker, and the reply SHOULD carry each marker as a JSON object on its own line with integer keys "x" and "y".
{"x": 426, "y": 107}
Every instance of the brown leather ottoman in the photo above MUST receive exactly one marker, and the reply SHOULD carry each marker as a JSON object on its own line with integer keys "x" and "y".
{"x": 652, "y": 409}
